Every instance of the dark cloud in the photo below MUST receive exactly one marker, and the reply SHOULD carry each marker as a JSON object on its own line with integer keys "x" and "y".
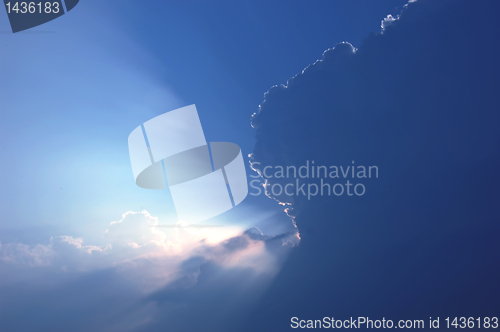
{"x": 423, "y": 88}
{"x": 420, "y": 101}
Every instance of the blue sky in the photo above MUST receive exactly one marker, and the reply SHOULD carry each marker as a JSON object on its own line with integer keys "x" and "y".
{"x": 75, "y": 226}
{"x": 72, "y": 90}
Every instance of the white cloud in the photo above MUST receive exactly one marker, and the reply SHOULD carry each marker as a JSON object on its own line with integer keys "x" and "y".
{"x": 136, "y": 229}
{"x": 388, "y": 21}
{"x": 78, "y": 243}
{"x": 149, "y": 255}
{"x": 23, "y": 254}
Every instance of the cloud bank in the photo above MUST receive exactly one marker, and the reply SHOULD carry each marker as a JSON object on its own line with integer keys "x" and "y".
{"x": 145, "y": 272}
{"x": 419, "y": 100}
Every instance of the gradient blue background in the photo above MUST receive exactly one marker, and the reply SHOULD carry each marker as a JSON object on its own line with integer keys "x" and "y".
{"x": 73, "y": 89}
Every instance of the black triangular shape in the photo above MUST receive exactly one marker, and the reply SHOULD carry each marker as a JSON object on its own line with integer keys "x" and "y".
{"x": 22, "y": 18}
{"x": 70, "y": 4}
